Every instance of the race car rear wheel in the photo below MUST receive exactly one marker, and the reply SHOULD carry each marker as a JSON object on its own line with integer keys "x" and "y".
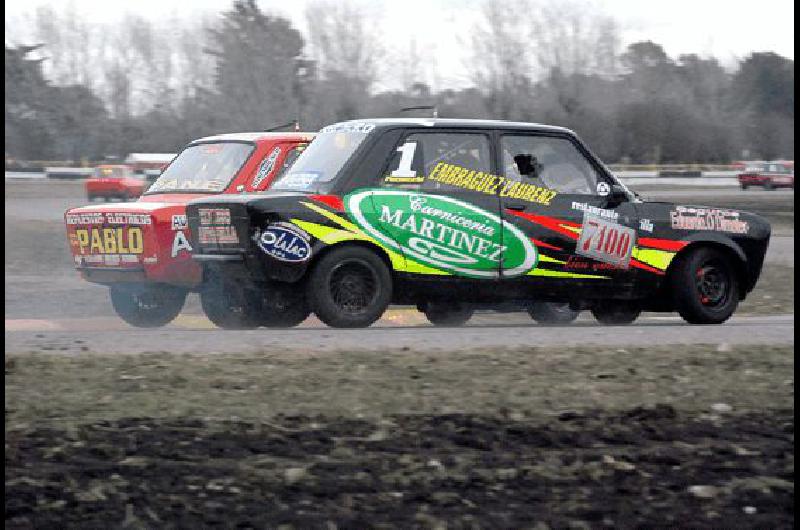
{"x": 615, "y": 313}
{"x": 283, "y": 307}
{"x": 440, "y": 314}
{"x": 705, "y": 287}
{"x": 554, "y": 313}
{"x": 149, "y": 306}
{"x": 231, "y": 307}
{"x": 350, "y": 287}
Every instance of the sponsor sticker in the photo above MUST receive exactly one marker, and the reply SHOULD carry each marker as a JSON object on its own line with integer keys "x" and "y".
{"x": 601, "y": 212}
{"x": 285, "y": 243}
{"x": 125, "y": 240}
{"x": 113, "y": 218}
{"x": 490, "y": 184}
{"x": 603, "y": 189}
{"x": 179, "y": 222}
{"x": 217, "y": 235}
{"x": 214, "y": 216}
{"x": 266, "y": 167}
{"x": 443, "y": 232}
{"x": 606, "y": 241}
{"x": 359, "y": 127}
{"x": 692, "y": 218}
{"x": 300, "y": 180}
{"x": 646, "y": 225}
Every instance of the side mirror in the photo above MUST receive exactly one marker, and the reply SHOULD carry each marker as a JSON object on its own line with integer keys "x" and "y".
{"x": 617, "y": 194}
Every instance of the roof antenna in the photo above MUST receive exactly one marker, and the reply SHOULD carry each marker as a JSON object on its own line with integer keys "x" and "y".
{"x": 423, "y": 107}
{"x": 278, "y": 127}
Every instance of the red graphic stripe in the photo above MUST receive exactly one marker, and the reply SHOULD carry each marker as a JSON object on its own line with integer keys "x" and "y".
{"x": 639, "y": 265}
{"x": 661, "y": 244}
{"x": 545, "y": 245}
{"x": 548, "y": 222}
{"x": 333, "y": 201}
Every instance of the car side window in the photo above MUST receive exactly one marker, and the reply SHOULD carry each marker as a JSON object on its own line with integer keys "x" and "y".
{"x": 547, "y": 161}
{"x": 418, "y": 154}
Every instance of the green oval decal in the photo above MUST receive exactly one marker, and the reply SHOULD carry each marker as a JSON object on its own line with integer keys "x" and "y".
{"x": 445, "y": 233}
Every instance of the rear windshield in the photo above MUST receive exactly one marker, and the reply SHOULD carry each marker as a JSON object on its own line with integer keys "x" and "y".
{"x": 322, "y": 160}
{"x": 109, "y": 172}
{"x": 203, "y": 167}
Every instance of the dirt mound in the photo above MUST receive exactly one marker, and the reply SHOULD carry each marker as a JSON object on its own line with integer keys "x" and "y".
{"x": 647, "y": 467}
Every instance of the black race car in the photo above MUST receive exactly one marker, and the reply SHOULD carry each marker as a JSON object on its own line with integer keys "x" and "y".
{"x": 450, "y": 215}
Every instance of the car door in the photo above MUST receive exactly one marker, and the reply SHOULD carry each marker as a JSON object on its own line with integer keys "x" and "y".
{"x": 584, "y": 235}
{"x": 432, "y": 218}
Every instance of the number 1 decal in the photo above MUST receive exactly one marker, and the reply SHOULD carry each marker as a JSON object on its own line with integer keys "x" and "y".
{"x": 606, "y": 241}
{"x": 404, "y": 173}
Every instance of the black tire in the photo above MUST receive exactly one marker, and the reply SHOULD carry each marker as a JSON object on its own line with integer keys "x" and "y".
{"x": 552, "y": 313}
{"x": 769, "y": 186}
{"x": 230, "y": 306}
{"x": 284, "y": 307}
{"x": 705, "y": 286}
{"x": 615, "y": 313}
{"x": 90, "y": 198}
{"x": 148, "y": 306}
{"x": 744, "y": 186}
{"x": 440, "y": 314}
{"x": 350, "y": 287}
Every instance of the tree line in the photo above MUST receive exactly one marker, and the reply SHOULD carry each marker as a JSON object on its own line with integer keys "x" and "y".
{"x": 81, "y": 92}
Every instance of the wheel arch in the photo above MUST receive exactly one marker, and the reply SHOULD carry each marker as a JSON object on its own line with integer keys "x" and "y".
{"x": 727, "y": 247}
{"x": 321, "y": 252}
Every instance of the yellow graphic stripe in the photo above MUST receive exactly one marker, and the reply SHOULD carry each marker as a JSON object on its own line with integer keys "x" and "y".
{"x": 660, "y": 259}
{"x": 548, "y": 259}
{"x": 576, "y": 229}
{"x": 331, "y": 236}
{"x": 562, "y": 274}
{"x": 338, "y": 219}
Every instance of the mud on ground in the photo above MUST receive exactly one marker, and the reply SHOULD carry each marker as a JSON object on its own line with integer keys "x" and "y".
{"x": 646, "y": 467}
{"x": 699, "y": 436}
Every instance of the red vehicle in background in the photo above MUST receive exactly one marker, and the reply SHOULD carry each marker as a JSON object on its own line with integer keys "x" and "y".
{"x": 114, "y": 181}
{"x": 141, "y": 249}
{"x": 768, "y": 175}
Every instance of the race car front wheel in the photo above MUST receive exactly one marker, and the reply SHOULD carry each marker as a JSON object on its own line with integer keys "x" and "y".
{"x": 230, "y": 306}
{"x": 149, "y": 306}
{"x": 350, "y": 287}
{"x": 440, "y": 314}
{"x": 705, "y": 287}
{"x": 615, "y": 313}
{"x": 554, "y": 313}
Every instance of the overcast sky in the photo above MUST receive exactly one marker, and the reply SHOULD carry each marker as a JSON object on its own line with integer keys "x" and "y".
{"x": 724, "y": 29}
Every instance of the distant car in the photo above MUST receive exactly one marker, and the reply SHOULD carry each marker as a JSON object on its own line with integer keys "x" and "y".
{"x": 141, "y": 249}
{"x": 453, "y": 215}
{"x": 114, "y": 181}
{"x": 768, "y": 175}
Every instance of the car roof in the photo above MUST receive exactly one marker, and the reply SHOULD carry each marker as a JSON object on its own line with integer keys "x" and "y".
{"x": 256, "y": 137}
{"x": 457, "y": 124}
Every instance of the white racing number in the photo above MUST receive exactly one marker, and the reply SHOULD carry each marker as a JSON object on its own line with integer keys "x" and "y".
{"x": 406, "y": 157}
{"x": 404, "y": 173}
{"x": 606, "y": 241}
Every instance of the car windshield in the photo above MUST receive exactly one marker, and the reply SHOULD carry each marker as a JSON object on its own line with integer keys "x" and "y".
{"x": 324, "y": 158}
{"x": 205, "y": 167}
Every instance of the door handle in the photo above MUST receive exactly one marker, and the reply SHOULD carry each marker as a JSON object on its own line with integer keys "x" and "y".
{"x": 516, "y": 207}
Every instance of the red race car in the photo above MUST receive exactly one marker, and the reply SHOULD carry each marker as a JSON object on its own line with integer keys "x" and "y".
{"x": 112, "y": 181}
{"x": 141, "y": 249}
{"x": 768, "y": 175}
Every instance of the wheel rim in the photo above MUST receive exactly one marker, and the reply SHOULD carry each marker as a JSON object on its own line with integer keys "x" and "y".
{"x": 713, "y": 284}
{"x": 353, "y": 286}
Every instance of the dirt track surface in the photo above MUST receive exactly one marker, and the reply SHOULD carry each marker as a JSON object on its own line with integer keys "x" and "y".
{"x": 776, "y": 329}
{"x": 646, "y": 467}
